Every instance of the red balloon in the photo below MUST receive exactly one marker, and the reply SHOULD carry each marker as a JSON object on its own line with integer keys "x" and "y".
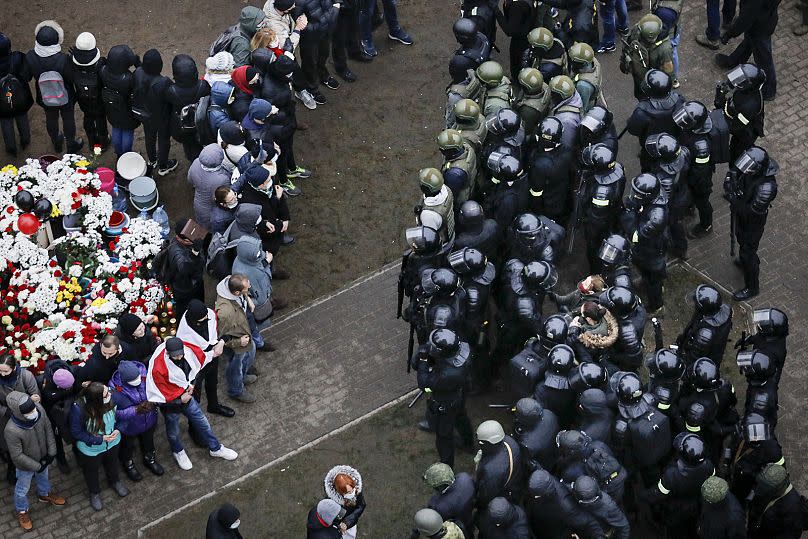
{"x": 28, "y": 223}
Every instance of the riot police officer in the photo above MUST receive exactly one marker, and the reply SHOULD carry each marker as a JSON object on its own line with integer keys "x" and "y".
{"x": 533, "y": 237}
{"x": 602, "y": 185}
{"x": 665, "y": 369}
{"x": 750, "y": 187}
{"x": 599, "y": 504}
{"x": 483, "y": 14}
{"x": 597, "y": 126}
{"x": 695, "y": 124}
{"x": 587, "y": 375}
{"x": 438, "y": 198}
{"x": 474, "y": 48}
{"x": 459, "y": 165}
{"x": 654, "y": 112}
{"x": 429, "y": 524}
{"x": 554, "y": 392}
{"x": 476, "y": 231}
{"x": 535, "y": 429}
{"x": 707, "y": 332}
{"x": 516, "y": 18}
{"x": 626, "y": 353}
{"x": 580, "y": 455}
{"x": 567, "y": 106}
{"x": 500, "y": 466}
{"x": 614, "y": 257}
{"x": 552, "y": 173}
{"x": 506, "y": 196}
{"x": 585, "y": 73}
{"x": 503, "y": 520}
{"x": 467, "y": 118}
{"x": 527, "y": 367}
{"x": 753, "y": 450}
{"x": 506, "y": 135}
{"x": 497, "y": 87}
{"x": 453, "y": 496}
{"x": 646, "y": 49}
{"x": 426, "y": 252}
{"x": 595, "y": 417}
{"x": 531, "y": 99}
{"x": 740, "y": 97}
{"x": 717, "y": 395}
{"x": 546, "y": 53}
{"x": 443, "y": 302}
{"x": 442, "y": 374}
{"x": 669, "y": 162}
{"x": 553, "y": 511}
{"x": 772, "y": 329}
{"x": 777, "y": 509}
{"x": 760, "y": 372}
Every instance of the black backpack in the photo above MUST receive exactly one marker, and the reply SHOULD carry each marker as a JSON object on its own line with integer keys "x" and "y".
{"x": 59, "y": 414}
{"x": 161, "y": 266}
{"x": 113, "y": 100}
{"x": 14, "y": 97}
{"x": 88, "y": 85}
{"x": 719, "y": 137}
{"x": 204, "y": 132}
{"x": 651, "y": 436}
{"x": 140, "y": 97}
{"x": 225, "y": 39}
{"x": 221, "y": 254}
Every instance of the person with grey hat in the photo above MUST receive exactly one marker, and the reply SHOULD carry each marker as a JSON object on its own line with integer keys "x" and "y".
{"x": 53, "y": 76}
{"x": 323, "y": 520}
{"x": 87, "y": 64}
{"x": 15, "y": 110}
{"x": 205, "y": 175}
{"x": 150, "y": 106}
{"x": 453, "y": 496}
{"x": 722, "y": 516}
{"x": 430, "y": 525}
{"x": 500, "y": 466}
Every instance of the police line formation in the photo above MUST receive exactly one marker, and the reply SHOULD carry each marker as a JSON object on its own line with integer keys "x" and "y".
{"x": 594, "y": 448}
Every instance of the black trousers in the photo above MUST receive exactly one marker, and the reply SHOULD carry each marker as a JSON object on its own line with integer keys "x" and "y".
{"x": 210, "y": 374}
{"x": 518, "y": 46}
{"x": 700, "y": 190}
{"x": 748, "y": 232}
{"x": 740, "y": 142}
{"x": 345, "y": 39}
{"x": 447, "y": 417}
{"x": 95, "y": 127}
{"x": 158, "y": 141}
{"x": 314, "y": 51}
{"x": 654, "y": 280}
{"x": 68, "y": 115}
{"x": 9, "y": 136}
{"x": 760, "y": 47}
{"x": 90, "y": 466}
{"x": 145, "y": 440}
{"x": 676, "y": 226}
{"x": 181, "y": 300}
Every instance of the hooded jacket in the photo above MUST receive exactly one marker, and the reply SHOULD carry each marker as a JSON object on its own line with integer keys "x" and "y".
{"x": 352, "y": 510}
{"x": 276, "y": 89}
{"x": 28, "y": 441}
{"x": 219, "y": 522}
{"x": 282, "y": 24}
{"x": 149, "y": 88}
{"x": 233, "y": 322}
{"x": 119, "y": 81}
{"x": 19, "y": 380}
{"x": 251, "y": 261}
{"x": 187, "y": 268}
{"x": 274, "y": 210}
{"x": 594, "y": 415}
{"x": 99, "y": 368}
{"x": 59, "y": 62}
{"x": 246, "y": 221}
{"x": 186, "y": 89}
{"x": 589, "y": 345}
{"x": 14, "y": 62}
{"x": 205, "y": 175}
{"x": 515, "y": 526}
{"x": 243, "y": 95}
{"x": 219, "y": 96}
{"x": 126, "y": 398}
{"x": 258, "y": 111}
{"x": 248, "y": 22}
{"x": 137, "y": 349}
{"x": 317, "y": 529}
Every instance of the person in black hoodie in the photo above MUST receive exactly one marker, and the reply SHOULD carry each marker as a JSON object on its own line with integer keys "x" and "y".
{"x": 187, "y": 264}
{"x": 137, "y": 341}
{"x": 315, "y": 45}
{"x": 149, "y": 105}
{"x": 186, "y": 89}
{"x": 13, "y": 63}
{"x": 47, "y": 56}
{"x": 260, "y": 189}
{"x": 87, "y": 64}
{"x": 103, "y": 362}
{"x": 118, "y": 83}
{"x": 223, "y": 523}
{"x": 59, "y": 389}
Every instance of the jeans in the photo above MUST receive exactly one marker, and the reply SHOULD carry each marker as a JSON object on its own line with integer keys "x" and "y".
{"x": 95, "y": 127}
{"x": 715, "y": 14}
{"x": 24, "y": 478}
{"x": 90, "y": 465}
{"x": 68, "y": 115}
{"x": 197, "y": 420}
{"x": 9, "y": 137}
{"x": 158, "y": 142}
{"x": 237, "y": 369}
{"x": 675, "y": 46}
{"x": 609, "y": 10}
{"x": 122, "y": 140}
{"x": 255, "y": 331}
{"x": 366, "y": 13}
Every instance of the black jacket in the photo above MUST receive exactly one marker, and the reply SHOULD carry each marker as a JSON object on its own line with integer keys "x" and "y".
{"x": 186, "y": 89}
{"x": 273, "y": 210}
{"x": 552, "y": 175}
{"x": 594, "y": 415}
{"x": 456, "y": 502}
{"x": 219, "y": 522}
{"x": 186, "y": 268}
{"x": 723, "y": 520}
{"x": 275, "y": 88}
{"x": 782, "y": 520}
{"x": 153, "y": 88}
{"x": 14, "y": 63}
{"x": 517, "y": 528}
{"x": 354, "y": 512}
{"x": 118, "y": 81}
{"x": 322, "y": 16}
{"x": 59, "y": 62}
{"x": 756, "y": 18}
{"x": 610, "y": 516}
{"x": 315, "y": 530}
{"x": 98, "y": 368}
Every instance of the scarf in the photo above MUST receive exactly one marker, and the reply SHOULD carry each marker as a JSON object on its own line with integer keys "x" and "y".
{"x": 43, "y": 51}
{"x": 166, "y": 381}
{"x": 205, "y": 343}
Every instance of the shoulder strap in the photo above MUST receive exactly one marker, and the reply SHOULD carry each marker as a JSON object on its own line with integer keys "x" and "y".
{"x": 510, "y": 464}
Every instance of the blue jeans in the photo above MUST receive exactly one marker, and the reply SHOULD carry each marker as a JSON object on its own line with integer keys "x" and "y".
{"x": 237, "y": 369}
{"x": 675, "y": 46}
{"x": 43, "y": 487}
{"x": 714, "y": 15}
{"x": 255, "y": 331}
{"x": 198, "y": 422}
{"x": 366, "y": 13}
{"x": 610, "y": 9}
{"x": 122, "y": 140}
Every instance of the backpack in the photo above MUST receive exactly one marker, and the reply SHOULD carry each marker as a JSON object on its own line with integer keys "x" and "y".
{"x": 225, "y": 39}
{"x": 51, "y": 86}
{"x": 161, "y": 266}
{"x": 139, "y": 96}
{"x": 187, "y": 118}
{"x": 203, "y": 129}
{"x": 87, "y": 85}
{"x": 15, "y": 96}
{"x": 220, "y": 254}
{"x": 651, "y": 435}
{"x": 719, "y": 137}
{"x": 113, "y": 100}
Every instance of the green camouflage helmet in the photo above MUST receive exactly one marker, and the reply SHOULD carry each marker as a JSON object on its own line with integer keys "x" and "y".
{"x": 466, "y": 110}
{"x": 714, "y": 490}
{"x": 439, "y": 475}
{"x": 650, "y": 27}
{"x": 563, "y": 86}
{"x": 490, "y": 73}
{"x": 450, "y": 139}
{"x": 540, "y": 38}
{"x": 773, "y": 477}
{"x": 582, "y": 53}
{"x": 431, "y": 178}
{"x": 531, "y": 80}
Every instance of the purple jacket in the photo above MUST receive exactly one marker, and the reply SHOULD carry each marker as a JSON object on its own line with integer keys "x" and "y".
{"x": 126, "y": 397}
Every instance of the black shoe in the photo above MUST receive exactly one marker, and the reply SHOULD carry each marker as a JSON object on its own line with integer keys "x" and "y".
{"x": 171, "y": 164}
{"x": 331, "y": 83}
{"x": 120, "y": 489}
{"x": 12, "y": 151}
{"x": 347, "y": 75}
{"x": 222, "y": 410}
{"x": 319, "y": 98}
{"x": 360, "y": 57}
{"x": 745, "y": 294}
{"x": 95, "y": 502}
{"x": 151, "y": 463}
{"x": 132, "y": 472}
{"x": 75, "y": 146}
{"x": 425, "y": 426}
{"x": 287, "y": 240}
{"x": 724, "y": 61}
{"x": 59, "y": 144}
{"x": 699, "y": 231}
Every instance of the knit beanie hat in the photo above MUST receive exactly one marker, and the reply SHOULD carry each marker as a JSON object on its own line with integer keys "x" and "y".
{"x": 152, "y": 62}
{"x": 231, "y": 133}
{"x": 63, "y": 379}
{"x": 714, "y": 489}
{"x": 27, "y": 406}
{"x": 328, "y": 510}
{"x": 86, "y": 52}
{"x": 256, "y": 175}
{"x": 174, "y": 346}
{"x": 283, "y": 5}
{"x": 221, "y": 62}
{"x": 128, "y": 371}
{"x": 128, "y": 323}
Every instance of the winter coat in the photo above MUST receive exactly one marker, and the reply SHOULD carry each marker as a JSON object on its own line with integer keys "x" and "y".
{"x": 187, "y": 269}
{"x": 723, "y": 520}
{"x": 220, "y": 218}
{"x": 243, "y": 95}
{"x": 594, "y": 415}
{"x": 28, "y": 441}
{"x": 352, "y": 510}
{"x": 233, "y": 322}
{"x": 219, "y": 522}
{"x": 248, "y": 22}
{"x": 283, "y": 25}
{"x": 273, "y": 210}
{"x": 315, "y": 529}
{"x": 59, "y": 62}
{"x": 91, "y": 443}
{"x": 322, "y": 16}
{"x": 205, "y": 175}
{"x": 245, "y": 221}
{"x": 251, "y": 261}
{"x": 589, "y": 346}
{"x": 456, "y": 502}
{"x": 154, "y": 88}
{"x": 98, "y": 368}
{"x": 116, "y": 77}
{"x": 14, "y": 62}
{"x": 21, "y": 380}
{"x": 186, "y": 89}
{"x": 219, "y": 95}
{"x": 126, "y": 398}
{"x": 275, "y": 88}
{"x": 138, "y": 349}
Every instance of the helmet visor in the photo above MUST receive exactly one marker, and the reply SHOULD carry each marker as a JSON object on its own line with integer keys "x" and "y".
{"x": 757, "y": 432}
{"x": 746, "y": 165}
{"x": 762, "y": 317}
{"x": 737, "y": 77}
{"x": 609, "y": 253}
{"x": 415, "y": 237}
{"x": 744, "y": 360}
{"x": 591, "y": 123}
{"x": 551, "y": 280}
{"x": 494, "y": 161}
{"x": 457, "y": 261}
{"x": 680, "y": 117}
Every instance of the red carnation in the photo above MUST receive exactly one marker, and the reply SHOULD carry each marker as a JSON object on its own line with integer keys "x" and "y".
{"x": 110, "y": 280}
{"x": 57, "y": 273}
{"x": 10, "y": 209}
{"x": 53, "y": 263}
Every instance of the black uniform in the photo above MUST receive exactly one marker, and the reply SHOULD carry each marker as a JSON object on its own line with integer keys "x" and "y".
{"x": 481, "y": 12}
{"x": 503, "y": 520}
{"x": 535, "y": 429}
{"x": 456, "y": 502}
{"x": 651, "y": 116}
{"x": 719, "y": 414}
{"x": 581, "y": 23}
{"x": 706, "y": 336}
{"x": 501, "y": 472}
{"x": 609, "y": 515}
{"x": 675, "y": 498}
{"x": 642, "y": 436}
{"x": 526, "y": 368}
{"x": 543, "y": 246}
{"x": 745, "y": 114}
{"x": 780, "y": 517}
{"x": 506, "y": 200}
{"x": 595, "y": 417}
{"x": 700, "y": 173}
{"x": 517, "y": 20}
{"x": 600, "y": 200}
{"x": 749, "y": 458}
{"x": 482, "y": 234}
{"x": 553, "y": 512}
{"x": 673, "y": 178}
{"x": 552, "y": 176}
{"x": 723, "y": 520}
{"x": 647, "y": 226}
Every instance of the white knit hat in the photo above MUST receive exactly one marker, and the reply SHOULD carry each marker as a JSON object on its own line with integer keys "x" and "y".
{"x": 221, "y": 62}
{"x": 86, "y": 52}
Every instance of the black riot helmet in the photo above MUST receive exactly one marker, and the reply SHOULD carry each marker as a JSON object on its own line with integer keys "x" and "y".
{"x": 442, "y": 316}
{"x": 693, "y": 116}
{"x": 465, "y": 31}
{"x": 444, "y": 281}
{"x": 548, "y": 134}
{"x": 443, "y": 343}
{"x": 756, "y": 428}
{"x": 588, "y": 375}
{"x": 662, "y": 147}
{"x": 527, "y": 412}
{"x": 614, "y": 250}
{"x": 555, "y": 330}
{"x": 561, "y": 359}
{"x": 529, "y": 229}
{"x": 468, "y": 261}
{"x": 690, "y": 448}
{"x": 770, "y": 322}
{"x": 572, "y": 443}
{"x": 540, "y": 275}
{"x": 704, "y": 375}
{"x": 629, "y": 389}
{"x": 752, "y": 162}
{"x": 507, "y": 124}
{"x": 645, "y": 188}
{"x": 756, "y": 365}
{"x": 656, "y": 84}
{"x": 471, "y": 215}
{"x": 594, "y": 124}
{"x": 760, "y": 402}
{"x": 707, "y": 300}
{"x": 664, "y": 397}
{"x": 598, "y": 157}
{"x": 622, "y": 301}
{"x": 586, "y": 490}
{"x": 423, "y": 240}
{"x": 666, "y": 366}
{"x": 695, "y": 417}
{"x": 746, "y": 76}
{"x": 504, "y": 167}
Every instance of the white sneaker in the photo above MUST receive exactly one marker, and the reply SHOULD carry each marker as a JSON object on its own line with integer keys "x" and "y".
{"x": 307, "y": 99}
{"x": 183, "y": 461}
{"x": 224, "y": 453}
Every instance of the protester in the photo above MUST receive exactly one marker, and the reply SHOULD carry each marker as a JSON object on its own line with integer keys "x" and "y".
{"x": 249, "y": 21}
{"x": 150, "y": 105}
{"x": 103, "y": 362}
{"x": 137, "y": 341}
{"x": 186, "y": 267}
{"x": 343, "y": 485}
{"x": 118, "y": 84}
{"x": 223, "y": 212}
{"x": 367, "y": 12}
{"x": 87, "y": 66}
{"x": 223, "y": 523}
{"x": 58, "y": 388}
{"x": 13, "y": 63}
{"x": 185, "y": 90}
{"x": 323, "y": 520}
{"x": 219, "y": 67}
{"x": 233, "y": 308}
{"x": 206, "y": 174}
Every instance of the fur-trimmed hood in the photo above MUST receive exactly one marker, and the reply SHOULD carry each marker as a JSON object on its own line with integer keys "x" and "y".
{"x": 328, "y": 483}
{"x": 53, "y": 24}
{"x": 591, "y": 340}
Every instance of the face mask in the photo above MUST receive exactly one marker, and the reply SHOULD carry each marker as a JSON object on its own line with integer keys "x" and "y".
{"x": 32, "y": 415}
{"x": 350, "y": 495}
{"x": 134, "y": 383}
{"x": 235, "y": 525}
{"x": 107, "y": 399}
{"x": 233, "y": 205}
